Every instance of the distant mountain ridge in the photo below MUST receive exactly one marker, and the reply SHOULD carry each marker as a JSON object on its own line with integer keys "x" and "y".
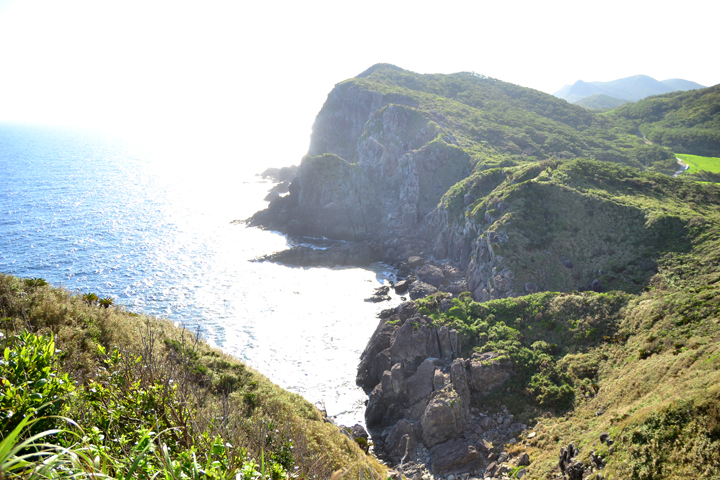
{"x": 630, "y": 89}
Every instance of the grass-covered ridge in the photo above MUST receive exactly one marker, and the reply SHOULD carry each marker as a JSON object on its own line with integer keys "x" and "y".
{"x": 684, "y": 121}
{"x": 148, "y": 398}
{"x": 498, "y": 123}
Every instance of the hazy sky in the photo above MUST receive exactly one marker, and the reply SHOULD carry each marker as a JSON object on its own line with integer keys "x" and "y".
{"x": 256, "y": 73}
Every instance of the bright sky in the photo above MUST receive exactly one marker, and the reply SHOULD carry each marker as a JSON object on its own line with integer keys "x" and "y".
{"x": 255, "y": 74}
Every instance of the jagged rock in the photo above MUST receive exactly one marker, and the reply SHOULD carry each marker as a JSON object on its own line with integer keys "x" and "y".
{"x": 409, "y": 342}
{"x": 523, "y": 460}
{"x": 438, "y": 379}
{"x": 432, "y": 275}
{"x": 406, "y": 310}
{"x": 421, "y": 290}
{"x": 458, "y": 288}
{"x": 375, "y": 359}
{"x": 491, "y": 469}
{"x": 397, "y": 376}
{"x": 451, "y": 273}
{"x": 443, "y": 418}
{"x": 460, "y": 385}
{"x": 387, "y": 313}
{"x": 575, "y": 470}
{"x": 455, "y": 456}
{"x": 420, "y": 384}
{"x": 487, "y": 374}
{"x": 443, "y": 338}
{"x": 401, "y": 440}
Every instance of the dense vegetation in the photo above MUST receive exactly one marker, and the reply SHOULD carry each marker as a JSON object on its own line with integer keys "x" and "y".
{"x": 93, "y": 390}
{"x": 687, "y": 122}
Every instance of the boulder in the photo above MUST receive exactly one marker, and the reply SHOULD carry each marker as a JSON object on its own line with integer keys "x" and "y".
{"x": 531, "y": 287}
{"x": 414, "y": 261}
{"x": 523, "y": 460}
{"x": 487, "y": 423}
{"x": 402, "y": 286}
{"x": 421, "y": 290}
{"x": 596, "y": 286}
{"x": 443, "y": 418}
{"x": 406, "y": 310}
{"x": 432, "y": 275}
{"x": 454, "y": 456}
{"x": 458, "y": 287}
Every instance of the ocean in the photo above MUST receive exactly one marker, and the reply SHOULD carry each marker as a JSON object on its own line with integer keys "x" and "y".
{"x": 152, "y": 227}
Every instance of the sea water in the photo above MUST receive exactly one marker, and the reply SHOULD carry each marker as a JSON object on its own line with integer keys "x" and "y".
{"x": 153, "y": 228}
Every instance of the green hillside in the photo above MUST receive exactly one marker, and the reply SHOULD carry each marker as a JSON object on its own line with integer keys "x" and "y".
{"x": 687, "y": 122}
{"x": 497, "y": 122}
{"x": 600, "y": 102}
{"x": 114, "y": 394}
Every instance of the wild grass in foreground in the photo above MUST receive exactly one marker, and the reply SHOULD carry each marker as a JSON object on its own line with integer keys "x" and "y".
{"x": 146, "y": 399}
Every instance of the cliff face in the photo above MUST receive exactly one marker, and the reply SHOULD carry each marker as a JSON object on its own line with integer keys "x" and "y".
{"x": 455, "y": 169}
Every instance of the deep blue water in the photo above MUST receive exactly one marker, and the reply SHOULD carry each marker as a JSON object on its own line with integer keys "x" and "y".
{"x": 150, "y": 225}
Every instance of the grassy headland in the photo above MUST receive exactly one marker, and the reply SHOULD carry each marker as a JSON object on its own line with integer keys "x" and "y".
{"x": 146, "y": 398}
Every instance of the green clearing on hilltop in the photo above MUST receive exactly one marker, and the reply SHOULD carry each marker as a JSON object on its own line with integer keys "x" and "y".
{"x": 147, "y": 400}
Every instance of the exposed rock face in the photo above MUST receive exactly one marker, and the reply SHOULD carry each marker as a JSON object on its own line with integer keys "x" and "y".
{"x": 422, "y": 391}
{"x": 432, "y": 275}
{"x": 421, "y": 290}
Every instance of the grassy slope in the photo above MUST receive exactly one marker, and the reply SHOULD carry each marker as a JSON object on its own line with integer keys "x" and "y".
{"x": 219, "y": 385}
{"x": 649, "y": 361}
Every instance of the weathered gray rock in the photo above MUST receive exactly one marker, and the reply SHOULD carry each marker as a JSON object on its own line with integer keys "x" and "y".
{"x": 415, "y": 261}
{"x": 487, "y": 423}
{"x": 420, "y": 384}
{"x": 443, "y": 337}
{"x": 459, "y": 380}
{"x": 432, "y": 275}
{"x": 398, "y": 384}
{"x": 421, "y": 290}
{"x": 523, "y": 460}
{"x": 406, "y": 310}
{"x": 443, "y": 418}
{"x": 488, "y": 374}
{"x": 438, "y": 379}
{"x": 409, "y": 342}
{"x": 454, "y": 456}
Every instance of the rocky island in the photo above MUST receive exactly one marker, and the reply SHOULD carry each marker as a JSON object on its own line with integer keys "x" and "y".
{"x": 563, "y": 286}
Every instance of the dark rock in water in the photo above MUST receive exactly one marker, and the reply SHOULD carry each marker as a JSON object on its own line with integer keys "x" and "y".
{"x": 378, "y": 298}
{"x": 421, "y": 290}
{"x": 271, "y": 196}
{"x": 431, "y": 275}
{"x": 282, "y": 187}
{"x": 456, "y": 456}
{"x": 284, "y": 174}
{"x": 384, "y": 290}
{"x": 402, "y": 286}
{"x": 596, "y": 286}
{"x": 335, "y": 255}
